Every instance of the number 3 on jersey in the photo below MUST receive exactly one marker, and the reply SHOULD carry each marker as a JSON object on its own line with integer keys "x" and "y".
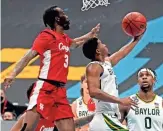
{"x": 66, "y": 61}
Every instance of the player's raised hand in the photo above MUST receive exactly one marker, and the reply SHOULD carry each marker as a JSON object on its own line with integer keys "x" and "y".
{"x": 95, "y": 30}
{"x": 7, "y": 82}
{"x": 128, "y": 102}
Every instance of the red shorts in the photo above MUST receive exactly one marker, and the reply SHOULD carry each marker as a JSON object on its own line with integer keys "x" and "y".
{"x": 51, "y": 101}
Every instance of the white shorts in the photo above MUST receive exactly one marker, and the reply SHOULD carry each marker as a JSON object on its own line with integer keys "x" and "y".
{"x": 105, "y": 122}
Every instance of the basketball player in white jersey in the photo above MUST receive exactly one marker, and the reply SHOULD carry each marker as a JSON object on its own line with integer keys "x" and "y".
{"x": 102, "y": 85}
{"x": 149, "y": 114}
{"x": 84, "y": 105}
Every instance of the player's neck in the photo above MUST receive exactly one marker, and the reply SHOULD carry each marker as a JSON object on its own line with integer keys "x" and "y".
{"x": 86, "y": 98}
{"x": 101, "y": 58}
{"x": 59, "y": 30}
{"x": 148, "y": 96}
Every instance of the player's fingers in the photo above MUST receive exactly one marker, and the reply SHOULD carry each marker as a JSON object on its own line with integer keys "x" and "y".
{"x": 132, "y": 108}
{"x": 134, "y": 104}
{"x": 98, "y": 25}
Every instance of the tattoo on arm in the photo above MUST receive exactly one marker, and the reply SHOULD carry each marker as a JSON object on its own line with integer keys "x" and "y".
{"x": 83, "y": 121}
{"x": 23, "y": 62}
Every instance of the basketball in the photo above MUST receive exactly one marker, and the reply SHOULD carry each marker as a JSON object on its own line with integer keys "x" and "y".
{"x": 134, "y": 24}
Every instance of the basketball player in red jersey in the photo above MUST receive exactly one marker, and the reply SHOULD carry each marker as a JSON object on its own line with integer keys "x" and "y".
{"x": 49, "y": 94}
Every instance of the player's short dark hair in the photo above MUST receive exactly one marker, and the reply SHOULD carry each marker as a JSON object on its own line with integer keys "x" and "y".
{"x": 153, "y": 72}
{"x": 49, "y": 16}
{"x": 29, "y": 91}
{"x": 89, "y": 48}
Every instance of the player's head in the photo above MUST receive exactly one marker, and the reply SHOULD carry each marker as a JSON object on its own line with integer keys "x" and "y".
{"x": 29, "y": 91}
{"x": 146, "y": 79}
{"x": 94, "y": 48}
{"x": 9, "y": 115}
{"x": 55, "y": 16}
{"x": 84, "y": 87}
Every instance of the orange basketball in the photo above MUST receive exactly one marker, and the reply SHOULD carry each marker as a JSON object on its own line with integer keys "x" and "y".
{"x": 134, "y": 24}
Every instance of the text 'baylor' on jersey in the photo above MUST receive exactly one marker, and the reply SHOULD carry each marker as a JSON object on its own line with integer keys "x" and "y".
{"x": 147, "y": 117}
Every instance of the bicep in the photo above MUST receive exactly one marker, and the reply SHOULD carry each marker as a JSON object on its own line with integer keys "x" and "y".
{"x": 30, "y": 55}
{"x": 93, "y": 76}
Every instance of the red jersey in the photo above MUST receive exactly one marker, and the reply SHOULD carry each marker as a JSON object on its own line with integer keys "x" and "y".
{"x": 54, "y": 51}
{"x": 45, "y": 125}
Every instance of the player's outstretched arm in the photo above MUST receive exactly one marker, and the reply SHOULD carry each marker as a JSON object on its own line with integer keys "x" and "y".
{"x": 83, "y": 121}
{"x": 124, "y": 51}
{"x": 19, "y": 67}
{"x": 77, "y": 42}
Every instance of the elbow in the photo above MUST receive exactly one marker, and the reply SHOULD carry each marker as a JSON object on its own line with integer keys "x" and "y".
{"x": 93, "y": 93}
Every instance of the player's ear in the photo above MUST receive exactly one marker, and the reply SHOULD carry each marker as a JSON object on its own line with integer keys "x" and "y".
{"x": 98, "y": 51}
{"x": 57, "y": 19}
{"x": 154, "y": 80}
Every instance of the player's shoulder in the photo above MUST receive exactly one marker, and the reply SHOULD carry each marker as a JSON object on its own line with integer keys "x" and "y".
{"x": 79, "y": 99}
{"x": 76, "y": 100}
{"x": 94, "y": 67}
{"x": 66, "y": 35}
{"x": 159, "y": 98}
{"x": 134, "y": 97}
{"x": 46, "y": 33}
{"x": 94, "y": 64}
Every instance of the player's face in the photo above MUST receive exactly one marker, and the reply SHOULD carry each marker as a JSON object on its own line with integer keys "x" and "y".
{"x": 102, "y": 48}
{"x": 8, "y": 116}
{"x": 146, "y": 81}
{"x": 63, "y": 20}
{"x": 85, "y": 86}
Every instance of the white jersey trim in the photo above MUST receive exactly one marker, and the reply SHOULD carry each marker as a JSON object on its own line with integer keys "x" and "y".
{"x": 46, "y": 64}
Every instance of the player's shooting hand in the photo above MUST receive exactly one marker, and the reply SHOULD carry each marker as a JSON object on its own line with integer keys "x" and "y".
{"x": 137, "y": 38}
{"x": 128, "y": 102}
{"x": 95, "y": 30}
{"x": 7, "y": 82}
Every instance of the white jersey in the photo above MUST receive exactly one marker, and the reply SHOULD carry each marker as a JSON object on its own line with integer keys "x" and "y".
{"x": 81, "y": 108}
{"x": 108, "y": 85}
{"x": 105, "y": 119}
{"x": 148, "y": 117}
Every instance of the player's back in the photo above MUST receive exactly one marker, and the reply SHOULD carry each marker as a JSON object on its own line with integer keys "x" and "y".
{"x": 148, "y": 117}
{"x": 106, "y": 114}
